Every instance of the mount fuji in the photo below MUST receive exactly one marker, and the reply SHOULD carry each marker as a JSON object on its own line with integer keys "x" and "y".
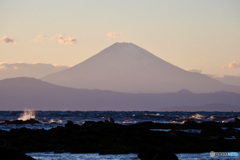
{"x": 125, "y": 67}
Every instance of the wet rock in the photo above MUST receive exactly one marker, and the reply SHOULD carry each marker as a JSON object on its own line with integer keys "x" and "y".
{"x": 20, "y": 122}
{"x": 237, "y": 121}
{"x": 89, "y": 124}
{"x": 101, "y": 137}
{"x": 157, "y": 156}
{"x": 93, "y": 124}
{"x": 32, "y": 121}
{"x": 110, "y": 120}
{"x": 71, "y": 125}
{"x": 190, "y": 123}
{"x": 9, "y": 154}
{"x": 59, "y": 151}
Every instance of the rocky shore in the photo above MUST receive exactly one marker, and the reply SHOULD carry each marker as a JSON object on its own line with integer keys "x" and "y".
{"x": 150, "y": 140}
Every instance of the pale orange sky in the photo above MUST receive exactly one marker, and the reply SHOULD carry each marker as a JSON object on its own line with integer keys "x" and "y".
{"x": 202, "y": 35}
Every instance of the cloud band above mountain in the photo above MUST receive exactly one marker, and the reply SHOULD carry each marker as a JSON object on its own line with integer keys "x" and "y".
{"x": 234, "y": 65}
{"x": 36, "y": 70}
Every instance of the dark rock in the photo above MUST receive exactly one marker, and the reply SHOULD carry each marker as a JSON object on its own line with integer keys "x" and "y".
{"x": 107, "y": 138}
{"x": 93, "y": 124}
{"x": 89, "y": 124}
{"x": 30, "y": 121}
{"x": 8, "y": 154}
{"x": 72, "y": 125}
{"x": 110, "y": 120}
{"x": 59, "y": 151}
{"x": 237, "y": 121}
{"x": 190, "y": 122}
{"x": 157, "y": 156}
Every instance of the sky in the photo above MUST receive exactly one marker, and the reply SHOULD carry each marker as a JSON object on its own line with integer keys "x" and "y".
{"x": 199, "y": 35}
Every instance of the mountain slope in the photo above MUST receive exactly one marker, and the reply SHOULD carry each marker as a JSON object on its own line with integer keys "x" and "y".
{"x": 23, "y": 93}
{"x": 206, "y": 108}
{"x": 231, "y": 80}
{"x": 126, "y": 67}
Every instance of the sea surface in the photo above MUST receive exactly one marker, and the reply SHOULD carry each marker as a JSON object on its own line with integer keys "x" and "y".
{"x": 52, "y": 119}
{"x": 96, "y": 156}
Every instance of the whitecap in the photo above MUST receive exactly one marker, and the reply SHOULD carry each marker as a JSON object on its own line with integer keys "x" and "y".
{"x": 197, "y": 116}
{"x": 27, "y": 115}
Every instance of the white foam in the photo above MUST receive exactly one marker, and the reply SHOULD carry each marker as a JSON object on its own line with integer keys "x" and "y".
{"x": 197, "y": 116}
{"x": 160, "y": 130}
{"x": 27, "y": 115}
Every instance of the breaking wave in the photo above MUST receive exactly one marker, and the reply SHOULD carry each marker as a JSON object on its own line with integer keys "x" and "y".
{"x": 27, "y": 115}
{"x": 197, "y": 116}
{"x": 50, "y": 119}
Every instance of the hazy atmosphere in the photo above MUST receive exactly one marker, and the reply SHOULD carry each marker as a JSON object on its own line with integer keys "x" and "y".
{"x": 201, "y": 36}
{"x": 111, "y": 79}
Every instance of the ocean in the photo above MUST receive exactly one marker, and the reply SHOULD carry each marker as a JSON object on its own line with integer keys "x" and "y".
{"x": 52, "y": 119}
{"x": 96, "y": 156}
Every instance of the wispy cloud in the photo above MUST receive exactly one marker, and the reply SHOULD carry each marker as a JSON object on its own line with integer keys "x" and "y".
{"x": 41, "y": 38}
{"x": 2, "y": 67}
{"x": 62, "y": 40}
{"x": 8, "y": 40}
{"x": 194, "y": 70}
{"x": 113, "y": 34}
{"x": 37, "y": 70}
{"x": 232, "y": 65}
{"x": 217, "y": 76}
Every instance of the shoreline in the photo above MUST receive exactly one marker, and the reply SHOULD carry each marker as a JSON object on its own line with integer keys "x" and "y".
{"x": 107, "y": 137}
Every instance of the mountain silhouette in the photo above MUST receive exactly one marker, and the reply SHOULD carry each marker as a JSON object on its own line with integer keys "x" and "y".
{"x": 125, "y": 67}
{"x": 29, "y": 93}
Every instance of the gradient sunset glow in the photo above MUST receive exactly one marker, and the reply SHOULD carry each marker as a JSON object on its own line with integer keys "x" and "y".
{"x": 197, "y": 35}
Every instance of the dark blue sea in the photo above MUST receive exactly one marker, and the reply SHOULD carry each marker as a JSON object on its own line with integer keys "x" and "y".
{"x": 51, "y": 119}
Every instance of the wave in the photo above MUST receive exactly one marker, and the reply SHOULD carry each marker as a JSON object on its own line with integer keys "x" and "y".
{"x": 59, "y": 121}
{"x": 27, "y": 115}
{"x": 197, "y": 116}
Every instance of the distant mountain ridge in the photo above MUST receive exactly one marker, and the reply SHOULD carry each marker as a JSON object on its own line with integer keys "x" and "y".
{"x": 125, "y": 67}
{"x": 206, "y": 108}
{"x": 22, "y": 93}
{"x": 36, "y": 70}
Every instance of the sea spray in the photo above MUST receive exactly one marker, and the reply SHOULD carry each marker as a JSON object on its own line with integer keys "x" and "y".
{"x": 27, "y": 114}
{"x": 125, "y": 118}
{"x": 197, "y": 116}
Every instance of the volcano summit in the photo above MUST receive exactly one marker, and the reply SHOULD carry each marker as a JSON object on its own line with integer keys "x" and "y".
{"x": 125, "y": 67}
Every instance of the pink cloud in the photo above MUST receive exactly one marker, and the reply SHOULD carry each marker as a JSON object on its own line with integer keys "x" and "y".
{"x": 8, "y": 40}
{"x": 234, "y": 65}
{"x": 62, "y": 40}
{"x": 113, "y": 34}
{"x": 42, "y": 38}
